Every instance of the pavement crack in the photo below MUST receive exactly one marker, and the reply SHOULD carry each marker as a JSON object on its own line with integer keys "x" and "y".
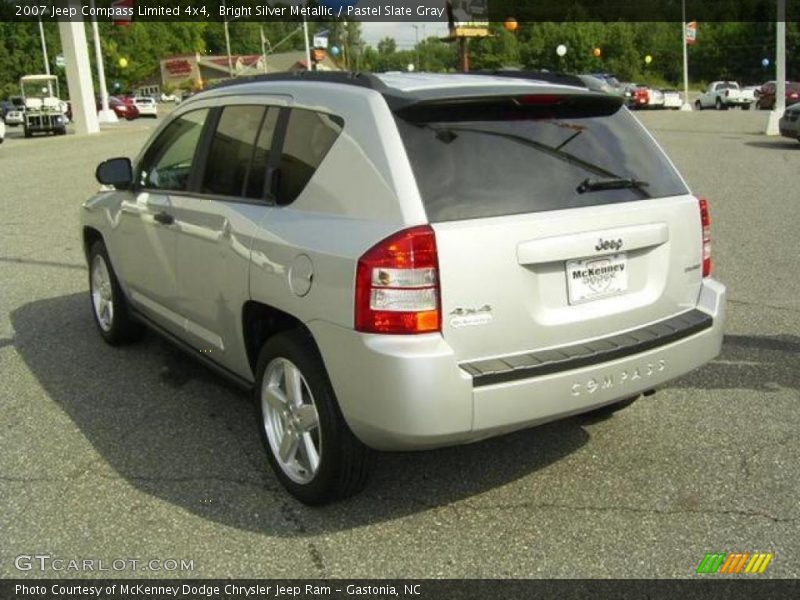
{"x": 631, "y": 509}
{"x": 762, "y": 305}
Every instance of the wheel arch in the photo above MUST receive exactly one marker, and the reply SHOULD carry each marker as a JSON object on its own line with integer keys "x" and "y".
{"x": 260, "y": 322}
{"x": 90, "y": 236}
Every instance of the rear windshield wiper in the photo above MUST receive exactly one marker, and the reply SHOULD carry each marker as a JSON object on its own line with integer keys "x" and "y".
{"x": 611, "y": 183}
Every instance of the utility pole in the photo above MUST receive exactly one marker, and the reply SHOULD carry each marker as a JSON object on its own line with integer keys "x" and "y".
{"x": 780, "y": 71}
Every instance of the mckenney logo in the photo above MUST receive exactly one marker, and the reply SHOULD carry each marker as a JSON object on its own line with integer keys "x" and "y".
{"x": 735, "y": 562}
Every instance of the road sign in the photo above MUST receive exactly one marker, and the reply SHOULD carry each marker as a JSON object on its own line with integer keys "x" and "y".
{"x": 691, "y": 32}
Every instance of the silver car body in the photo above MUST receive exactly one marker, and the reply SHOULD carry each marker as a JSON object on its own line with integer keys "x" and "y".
{"x": 503, "y": 294}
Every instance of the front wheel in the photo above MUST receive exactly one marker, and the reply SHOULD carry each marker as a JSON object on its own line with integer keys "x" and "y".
{"x": 309, "y": 445}
{"x": 698, "y": 105}
{"x": 109, "y": 308}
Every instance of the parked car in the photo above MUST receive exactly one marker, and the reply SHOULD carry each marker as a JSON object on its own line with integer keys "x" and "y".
{"x": 170, "y": 98}
{"x": 399, "y": 262}
{"x": 611, "y": 81}
{"x": 722, "y": 95}
{"x": 636, "y": 96}
{"x": 673, "y": 99}
{"x": 122, "y": 109}
{"x": 766, "y": 95}
{"x": 789, "y": 123}
{"x": 597, "y": 85}
{"x": 15, "y": 111}
{"x": 2, "y": 131}
{"x": 147, "y": 107}
{"x": 655, "y": 99}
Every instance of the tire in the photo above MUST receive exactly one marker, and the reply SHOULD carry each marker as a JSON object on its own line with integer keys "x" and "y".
{"x": 109, "y": 307}
{"x": 306, "y": 425}
{"x": 28, "y": 132}
{"x": 718, "y": 105}
{"x": 698, "y": 105}
{"x": 745, "y": 107}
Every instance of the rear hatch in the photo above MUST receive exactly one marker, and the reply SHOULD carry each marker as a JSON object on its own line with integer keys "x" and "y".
{"x": 557, "y": 217}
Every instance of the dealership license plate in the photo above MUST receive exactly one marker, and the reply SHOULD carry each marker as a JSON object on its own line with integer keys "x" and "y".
{"x": 597, "y": 277}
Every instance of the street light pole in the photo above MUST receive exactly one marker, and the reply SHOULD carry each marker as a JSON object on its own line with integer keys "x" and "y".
{"x": 686, "y": 105}
{"x": 44, "y": 48}
{"x": 308, "y": 48}
{"x": 227, "y": 41}
{"x": 416, "y": 44}
{"x": 780, "y": 71}
{"x": 263, "y": 49}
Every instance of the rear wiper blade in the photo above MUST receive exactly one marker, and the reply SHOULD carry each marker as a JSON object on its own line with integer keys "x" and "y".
{"x": 611, "y": 183}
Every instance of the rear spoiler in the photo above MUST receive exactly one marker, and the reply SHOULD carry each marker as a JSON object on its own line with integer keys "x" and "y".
{"x": 500, "y": 104}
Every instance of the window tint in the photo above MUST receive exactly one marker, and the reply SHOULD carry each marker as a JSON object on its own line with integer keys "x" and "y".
{"x": 232, "y": 150}
{"x": 309, "y": 137}
{"x": 474, "y": 168}
{"x": 168, "y": 161}
{"x": 254, "y": 186}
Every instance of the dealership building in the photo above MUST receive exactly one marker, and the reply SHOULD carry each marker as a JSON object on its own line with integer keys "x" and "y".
{"x": 195, "y": 70}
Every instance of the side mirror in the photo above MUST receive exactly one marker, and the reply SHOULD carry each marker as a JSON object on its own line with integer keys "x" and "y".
{"x": 115, "y": 171}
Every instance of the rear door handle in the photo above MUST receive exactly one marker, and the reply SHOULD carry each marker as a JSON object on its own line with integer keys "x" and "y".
{"x": 164, "y": 218}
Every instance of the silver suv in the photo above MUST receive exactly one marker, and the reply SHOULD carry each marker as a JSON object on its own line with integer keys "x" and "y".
{"x": 399, "y": 262}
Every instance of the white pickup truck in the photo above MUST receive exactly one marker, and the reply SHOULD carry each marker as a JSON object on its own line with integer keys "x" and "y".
{"x": 723, "y": 95}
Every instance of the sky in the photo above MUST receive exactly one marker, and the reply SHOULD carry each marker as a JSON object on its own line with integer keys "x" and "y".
{"x": 403, "y": 33}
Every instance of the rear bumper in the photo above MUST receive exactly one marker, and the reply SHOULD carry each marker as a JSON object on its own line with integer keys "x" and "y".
{"x": 409, "y": 392}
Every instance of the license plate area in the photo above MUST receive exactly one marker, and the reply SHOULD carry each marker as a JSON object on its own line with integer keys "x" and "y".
{"x": 597, "y": 277}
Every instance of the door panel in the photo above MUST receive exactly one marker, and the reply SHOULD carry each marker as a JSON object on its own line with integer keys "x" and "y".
{"x": 147, "y": 256}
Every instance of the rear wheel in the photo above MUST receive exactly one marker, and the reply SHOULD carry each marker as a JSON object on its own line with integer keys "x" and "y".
{"x": 309, "y": 445}
{"x": 109, "y": 308}
{"x": 718, "y": 105}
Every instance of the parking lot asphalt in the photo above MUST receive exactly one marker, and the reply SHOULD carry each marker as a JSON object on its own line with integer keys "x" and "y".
{"x": 140, "y": 453}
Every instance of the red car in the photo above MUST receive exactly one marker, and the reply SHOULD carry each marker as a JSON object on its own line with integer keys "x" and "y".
{"x": 637, "y": 96}
{"x": 766, "y": 95}
{"x": 122, "y": 109}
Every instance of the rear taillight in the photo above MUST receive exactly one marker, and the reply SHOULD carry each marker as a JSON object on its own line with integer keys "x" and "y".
{"x": 397, "y": 285}
{"x": 705, "y": 223}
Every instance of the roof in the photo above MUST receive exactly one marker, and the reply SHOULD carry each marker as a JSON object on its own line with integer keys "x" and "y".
{"x": 405, "y": 89}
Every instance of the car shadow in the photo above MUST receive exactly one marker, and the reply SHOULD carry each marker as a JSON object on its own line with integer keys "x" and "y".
{"x": 776, "y": 144}
{"x": 173, "y": 429}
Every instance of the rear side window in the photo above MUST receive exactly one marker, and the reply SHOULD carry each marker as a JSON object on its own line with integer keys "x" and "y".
{"x": 309, "y": 137}
{"x": 467, "y": 167}
{"x": 168, "y": 161}
{"x": 231, "y": 151}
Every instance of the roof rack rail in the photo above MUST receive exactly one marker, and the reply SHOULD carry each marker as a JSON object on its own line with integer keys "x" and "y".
{"x": 546, "y": 76}
{"x": 357, "y": 78}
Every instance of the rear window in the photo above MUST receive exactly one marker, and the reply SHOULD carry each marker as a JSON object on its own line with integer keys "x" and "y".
{"x": 468, "y": 167}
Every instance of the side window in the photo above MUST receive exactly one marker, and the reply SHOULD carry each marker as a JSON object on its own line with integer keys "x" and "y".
{"x": 254, "y": 186}
{"x": 309, "y": 137}
{"x": 168, "y": 162}
{"x": 232, "y": 149}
